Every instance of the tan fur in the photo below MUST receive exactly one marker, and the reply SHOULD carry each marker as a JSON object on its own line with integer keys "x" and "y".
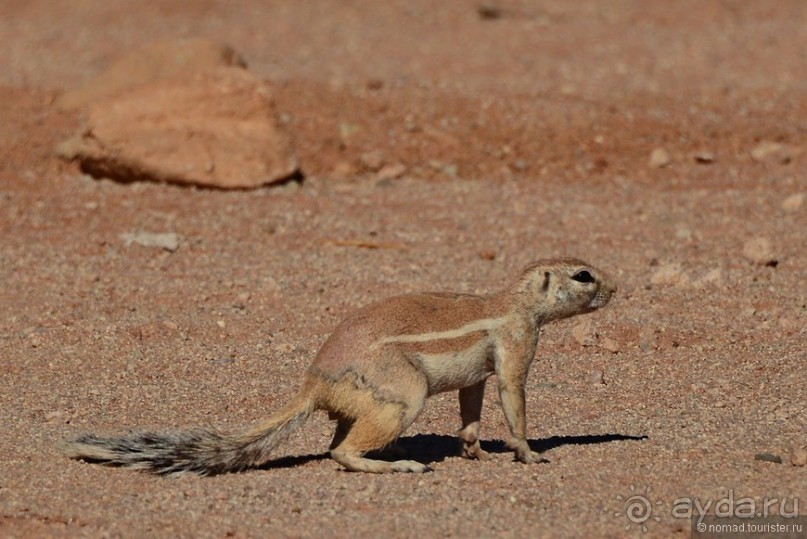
{"x": 376, "y": 370}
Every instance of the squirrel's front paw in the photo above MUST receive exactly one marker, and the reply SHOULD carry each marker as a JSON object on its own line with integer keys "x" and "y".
{"x": 530, "y": 457}
{"x": 474, "y": 451}
{"x": 525, "y": 454}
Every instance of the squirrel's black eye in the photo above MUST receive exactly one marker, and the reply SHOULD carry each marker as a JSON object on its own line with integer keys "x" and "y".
{"x": 583, "y": 277}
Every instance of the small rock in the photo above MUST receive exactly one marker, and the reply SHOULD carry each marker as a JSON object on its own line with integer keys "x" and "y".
{"x": 343, "y": 169}
{"x": 347, "y": 130}
{"x": 799, "y": 457}
{"x": 583, "y": 334}
{"x": 372, "y": 161}
{"x": 610, "y": 345}
{"x": 768, "y": 457}
{"x": 375, "y": 84}
{"x": 597, "y": 377}
{"x": 704, "y": 158}
{"x": 788, "y": 324}
{"x": 489, "y": 12}
{"x": 487, "y": 255}
{"x": 166, "y": 240}
{"x": 712, "y": 277}
{"x": 520, "y": 165}
{"x": 216, "y": 129}
{"x": 69, "y": 149}
{"x": 56, "y": 415}
{"x": 391, "y": 172}
{"x": 683, "y": 233}
{"x": 771, "y": 151}
{"x": 760, "y": 251}
{"x": 793, "y": 203}
{"x": 648, "y": 340}
{"x": 669, "y": 275}
{"x": 221, "y": 361}
{"x": 660, "y": 158}
{"x": 451, "y": 170}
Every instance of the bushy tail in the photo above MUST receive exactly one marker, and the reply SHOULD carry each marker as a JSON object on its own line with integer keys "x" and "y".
{"x": 203, "y": 452}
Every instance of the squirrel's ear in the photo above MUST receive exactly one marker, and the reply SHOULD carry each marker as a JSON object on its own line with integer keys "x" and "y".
{"x": 545, "y": 286}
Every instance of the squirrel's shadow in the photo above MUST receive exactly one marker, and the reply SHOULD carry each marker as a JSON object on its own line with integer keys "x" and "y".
{"x": 431, "y": 448}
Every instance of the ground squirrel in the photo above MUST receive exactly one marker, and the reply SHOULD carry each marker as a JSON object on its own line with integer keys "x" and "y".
{"x": 376, "y": 370}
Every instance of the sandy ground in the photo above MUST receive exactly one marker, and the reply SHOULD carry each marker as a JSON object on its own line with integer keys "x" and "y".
{"x": 523, "y": 134}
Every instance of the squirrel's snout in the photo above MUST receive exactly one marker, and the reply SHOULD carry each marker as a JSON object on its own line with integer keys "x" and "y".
{"x": 604, "y": 294}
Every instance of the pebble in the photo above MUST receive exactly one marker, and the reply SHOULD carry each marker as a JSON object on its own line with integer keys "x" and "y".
{"x": 683, "y": 233}
{"x": 597, "y": 377}
{"x": 660, "y": 158}
{"x": 343, "y": 169}
{"x": 372, "y": 161}
{"x": 714, "y": 276}
{"x": 450, "y": 170}
{"x": 167, "y": 240}
{"x": 583, "y": 334}
{"x": 771, "y": 151}
{"x": 375, "y": 84}
{"x": 489, "y": 12}
{"x": 34, "y": 340}
{"x": 69, "y": 149}
{"x": 391, "y": 172}
{"x": 788, "y": 324}
{"x": 759, "y": 250}
{"x": 793, "y": 203}
{"x": 610, "y": 345}
{"x": 704, "y": 158}
{"x": 57, "y": 415}
{"x": 520, "y": 165}
{"x": 799, "y": 457}
{"x": 768, "y": 457}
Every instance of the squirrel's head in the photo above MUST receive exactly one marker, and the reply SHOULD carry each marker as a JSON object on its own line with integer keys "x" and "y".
{"x": 564, "y": 287}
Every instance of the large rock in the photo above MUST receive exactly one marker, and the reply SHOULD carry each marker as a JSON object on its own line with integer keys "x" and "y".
{"x": 214, "y": 129}
{"x": 171, "y": 59}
